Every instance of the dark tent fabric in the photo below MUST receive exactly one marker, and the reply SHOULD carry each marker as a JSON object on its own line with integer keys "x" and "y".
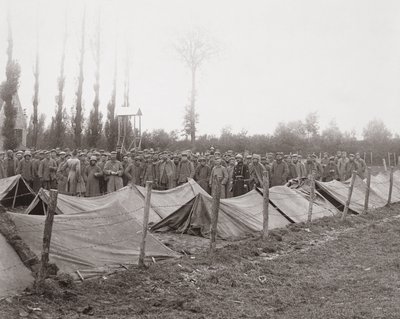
{"x": 238, "y": 217}
{"x": 92, "y": 242}
{"x": 15, "y": 187}
{"x": 14, "y": 276}
{"x": 294, "y": 205}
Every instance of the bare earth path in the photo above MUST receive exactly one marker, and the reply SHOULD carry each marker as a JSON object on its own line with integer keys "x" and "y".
{"x": 328, "y": 269}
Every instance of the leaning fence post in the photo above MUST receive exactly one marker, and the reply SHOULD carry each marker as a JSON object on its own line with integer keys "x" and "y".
{"x": 265, "y": 205}
{"x": 48, "y": 227}
{"x": 149, "y": 185}
{"x": 366, "y": 202}
{"x": 384, "y": 164}
{"x": 390, "y": 187}
{"x": 214, "y": 215}
{"x": 312, "y": 195}
{"x": 346, "y": 207}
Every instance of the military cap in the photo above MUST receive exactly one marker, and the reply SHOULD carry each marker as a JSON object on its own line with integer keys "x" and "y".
{"x": 93, "y": 158}
{"x": 113, "y": 152}
{"x": 256, "y": 156}
{"x": 294, "y": 155}
{"x": 239, "y": 156}
{"x": 313, "y": 155}
{"x": 27, "y": 153}
{"x": 332, "y": 158}
{"x": 351, "y": 155}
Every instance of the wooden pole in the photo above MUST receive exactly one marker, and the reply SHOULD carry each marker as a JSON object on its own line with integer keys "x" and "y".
{"x": 365, "y": 154}
{"x": 389, "y": 159}
{"x": 48, "y": 228}
{"x": 312, "y": 195}
{"x": 15, "y": 194}
{"x": 371, "y": 158}
{"x": 265, "y": 205}
{"x": 346, "y": 207}
{"x": 149, "y": 185}
{"x": 214, "y": 217}
{"x": 384, "y": 164}
{"x": 395, "y": 162}
{"x": 366, "y": 202}
{"x": 390, "y": 187}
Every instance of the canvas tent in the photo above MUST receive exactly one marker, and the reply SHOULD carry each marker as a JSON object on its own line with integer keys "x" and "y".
{"x": 238, "y": 217}
{"x": 338, "y": 192}
{"x": 129, "y": 197}
{"x": 166, "y": 202}
{"x": 294, "y": 204}
{"x": 94, "y": 242}
{"x": 380, "y": 183}
{"x": 14, "y": 190}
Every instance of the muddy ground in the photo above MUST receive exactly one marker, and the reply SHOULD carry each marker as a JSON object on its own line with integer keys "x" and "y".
{"x": 328, "y": 269}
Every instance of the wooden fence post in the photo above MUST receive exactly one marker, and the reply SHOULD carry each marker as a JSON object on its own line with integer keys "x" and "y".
{"x": 390, "y": 187}
{"x": 265, "y": 205}
{"x": 149, "y": 185}
{"x": 48, "y": 227}
{"x": 389, "y": 155}
{"x": 365, "y": 154}
{"x": 371, "y": 158}
{"x": 366, "y": 202}
{"x": 312, "y": 195}
{"x": 384, "y": 164}
{"x": 346, "y": 207}
{"x": 214, "y": 217}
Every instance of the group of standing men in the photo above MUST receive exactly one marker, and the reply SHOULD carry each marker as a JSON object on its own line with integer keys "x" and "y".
{"x": 92, "y": 173}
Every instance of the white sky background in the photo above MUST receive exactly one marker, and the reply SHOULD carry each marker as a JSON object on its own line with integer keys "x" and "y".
{"x": 279, "y": 59}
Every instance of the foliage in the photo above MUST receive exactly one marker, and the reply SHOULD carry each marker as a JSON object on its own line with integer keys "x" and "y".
{"x": 8, "y": 89}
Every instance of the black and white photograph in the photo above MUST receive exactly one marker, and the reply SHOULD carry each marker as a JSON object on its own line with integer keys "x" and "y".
{"x": 199, "y": 159}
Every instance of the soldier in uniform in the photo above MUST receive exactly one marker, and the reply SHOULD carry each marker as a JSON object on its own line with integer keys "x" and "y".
{"x": 113, "y": 171}
{"x": 241, "y": 177}
{"x": 184, "y": 170}
{"x": 330, "y": 171}
{"x": 351, "y": 166}
{"x": 361, "y": 166}
{"x": 279, "y": 171}
{"x": 202, "y": 174}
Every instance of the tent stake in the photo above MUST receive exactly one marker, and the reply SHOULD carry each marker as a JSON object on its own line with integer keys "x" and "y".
{"x": 390, "y": 187}
{"x": 312, "y": 194}
{"x": 346, "y": 208}
{"x": 265, "y": 205}
{"x": 214, "y": 216}
{"x": 48, "y": 227}
{"x": 366, "y": 202}
{"x": 149, "y": 185}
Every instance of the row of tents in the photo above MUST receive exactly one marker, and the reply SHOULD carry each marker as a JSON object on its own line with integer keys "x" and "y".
{"x": 95, "y": 235}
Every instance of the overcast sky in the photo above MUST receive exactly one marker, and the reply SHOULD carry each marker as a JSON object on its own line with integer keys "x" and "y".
{"x": 278, "y": 60}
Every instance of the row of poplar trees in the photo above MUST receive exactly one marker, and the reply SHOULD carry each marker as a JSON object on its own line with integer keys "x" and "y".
{"x": 65, "y": 129}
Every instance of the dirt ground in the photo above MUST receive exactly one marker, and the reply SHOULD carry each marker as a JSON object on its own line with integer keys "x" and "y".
{"x": 328, "y": 269}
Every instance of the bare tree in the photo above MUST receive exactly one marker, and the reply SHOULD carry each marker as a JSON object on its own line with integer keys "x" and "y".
{"x": 194, "y": 49}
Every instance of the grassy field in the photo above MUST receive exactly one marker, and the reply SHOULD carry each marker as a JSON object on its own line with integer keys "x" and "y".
{"x": 328, "y": 269}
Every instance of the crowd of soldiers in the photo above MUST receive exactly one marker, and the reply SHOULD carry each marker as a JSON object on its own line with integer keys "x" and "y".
{"x": 93, "y": 173}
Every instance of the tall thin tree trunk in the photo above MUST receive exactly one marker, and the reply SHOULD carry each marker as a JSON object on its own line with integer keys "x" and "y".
{"x": 193, "y": 109}
{"x": 35, "y": 101}
{"x": 78, "y": 114}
